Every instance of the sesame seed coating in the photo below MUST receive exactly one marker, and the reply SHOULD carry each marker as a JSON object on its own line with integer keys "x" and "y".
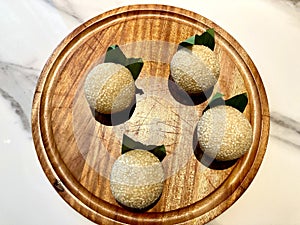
{"x": 109, "y": 88}
{"x": 136, "y": 179}
{"x": 224, "y": 133}
{"x": 196, "y": 69}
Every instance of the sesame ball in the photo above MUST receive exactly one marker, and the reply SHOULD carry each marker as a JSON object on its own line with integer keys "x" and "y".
{"x": 224, "y": 133}
{"x": 195, "y": 69}
{"x": 136, "y": 179}
{"x": 109, "y": 88}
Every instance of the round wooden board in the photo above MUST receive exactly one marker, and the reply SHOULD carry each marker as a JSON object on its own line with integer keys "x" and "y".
{"x": 76, "y": 152}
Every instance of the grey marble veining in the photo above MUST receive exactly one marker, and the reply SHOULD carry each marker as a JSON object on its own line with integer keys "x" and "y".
{"x": 65, "y": 7}
{"x": 17, "y": 109}
{"x": 285, "y": 122}
{"x": 285, "y": 129}
{"x": 17, "y": 85}
{"x": 294, "y": 1}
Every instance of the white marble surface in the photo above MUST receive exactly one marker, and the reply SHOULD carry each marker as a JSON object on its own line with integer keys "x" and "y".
{"x": 269, "y": 30}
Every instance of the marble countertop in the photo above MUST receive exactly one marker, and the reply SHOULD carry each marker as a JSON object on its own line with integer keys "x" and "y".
{"x": 269, "y": 30}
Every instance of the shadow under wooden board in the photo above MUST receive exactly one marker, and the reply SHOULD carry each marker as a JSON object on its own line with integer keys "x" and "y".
{"x": 77, "y": 152}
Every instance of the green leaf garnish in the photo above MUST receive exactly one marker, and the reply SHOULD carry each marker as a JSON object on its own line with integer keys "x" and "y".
{"x": 159, "y": 152}
{"x": 128, "y": 144}
{"x": 115, "y": 55}
{"x": 217, "y": 96}
{"x": 238, "y": 102}
{"x": 211, "y": 31}
{"x": 216, "y": 100}
{"x": 207, "y": 39}
{"x": 188, "y": 42}
{"x": 135, "y": 66}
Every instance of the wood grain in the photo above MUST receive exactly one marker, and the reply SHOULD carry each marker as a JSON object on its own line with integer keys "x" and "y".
{"x": 78, "y": 151}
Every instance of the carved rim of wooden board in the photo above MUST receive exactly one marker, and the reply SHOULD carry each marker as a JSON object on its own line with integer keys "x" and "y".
{"x": 50, "y": 115}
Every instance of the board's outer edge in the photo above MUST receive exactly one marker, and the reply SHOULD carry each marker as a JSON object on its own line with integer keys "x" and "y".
{"x": 79, "y": 205}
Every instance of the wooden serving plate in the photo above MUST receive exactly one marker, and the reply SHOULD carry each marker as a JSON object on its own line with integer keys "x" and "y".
{"x": 76, "y": 152}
